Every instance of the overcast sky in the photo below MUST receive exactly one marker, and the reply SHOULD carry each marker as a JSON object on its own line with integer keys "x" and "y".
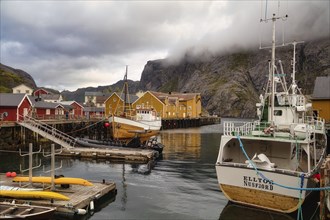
{"x": 74, "y": 44}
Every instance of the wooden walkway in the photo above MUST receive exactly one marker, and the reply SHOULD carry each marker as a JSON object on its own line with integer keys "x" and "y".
{"x": 111, "y": 153}
{"x": 80, "y": 196}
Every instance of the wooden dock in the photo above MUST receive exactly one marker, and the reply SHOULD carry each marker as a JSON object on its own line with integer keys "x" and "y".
{"x": 112, "y": 153}
{"x": 80, "y": 196}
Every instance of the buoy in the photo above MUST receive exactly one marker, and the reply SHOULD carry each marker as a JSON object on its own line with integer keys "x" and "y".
{"x": 106, "y": 124}
{"x": 81, "y": 211}
{"x": 91, "y": 207}
{"x": 8, "y": 174}
{"x": 13, "y": 174}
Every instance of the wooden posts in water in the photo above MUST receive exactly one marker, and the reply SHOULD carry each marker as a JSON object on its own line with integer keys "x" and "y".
{"x": 189, "y": 122}
{"x": 325, "y": 194}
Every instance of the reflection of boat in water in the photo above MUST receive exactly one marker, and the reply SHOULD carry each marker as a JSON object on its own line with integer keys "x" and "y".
{"x": 233, "y": 211}
{"x": 127, "y": 124}
{"x": 237, "y": 212}
{"x": 25, "y": 211}
{"x": 271, "y": 163}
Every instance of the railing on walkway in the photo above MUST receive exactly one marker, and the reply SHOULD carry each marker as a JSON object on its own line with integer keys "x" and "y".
{"x": 47, "y": 131}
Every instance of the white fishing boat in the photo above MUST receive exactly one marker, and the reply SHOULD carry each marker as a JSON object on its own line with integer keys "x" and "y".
{"x": 142, "y": 123}
{"x": 270, "y": 163}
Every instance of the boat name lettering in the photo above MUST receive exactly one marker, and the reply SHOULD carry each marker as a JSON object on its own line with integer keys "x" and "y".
{"x": 257, "y": 182}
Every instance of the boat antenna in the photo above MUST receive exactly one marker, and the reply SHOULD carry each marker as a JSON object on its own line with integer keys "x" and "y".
{"x": 294, "y": 86}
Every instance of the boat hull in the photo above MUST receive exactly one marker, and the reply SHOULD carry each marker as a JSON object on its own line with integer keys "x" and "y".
{"x": 123, "y": 128}
{"x": 244, "y": 186}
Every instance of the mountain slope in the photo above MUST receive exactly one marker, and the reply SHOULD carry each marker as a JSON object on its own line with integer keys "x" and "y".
{"x": 231, "y": 84}
{"x": 10, "y": 77}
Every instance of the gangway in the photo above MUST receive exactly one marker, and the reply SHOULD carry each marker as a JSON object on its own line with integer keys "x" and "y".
{"x": 48, "y": 132}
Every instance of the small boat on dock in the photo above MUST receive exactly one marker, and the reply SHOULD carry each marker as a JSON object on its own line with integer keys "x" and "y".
{"x": 272, "y": 163}
{"x": 47, "y": 179}
{"x": 25, "y": 211}
{"x": 33, "y": 194}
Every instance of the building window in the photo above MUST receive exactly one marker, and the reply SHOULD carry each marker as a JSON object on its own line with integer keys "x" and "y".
{"x": 27, "y": 91}
{"x": 47, "y": 111}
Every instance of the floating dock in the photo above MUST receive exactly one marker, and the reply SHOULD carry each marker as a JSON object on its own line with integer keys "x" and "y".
{"x": 83, "y": 199}
{"x": 112, "y": 153}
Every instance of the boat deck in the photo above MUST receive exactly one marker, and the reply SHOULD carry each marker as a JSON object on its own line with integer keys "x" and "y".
{"x": 80, "y": 196}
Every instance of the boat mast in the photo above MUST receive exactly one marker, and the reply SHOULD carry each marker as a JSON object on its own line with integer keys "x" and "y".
{"x": 273, "y": 73}
{"x": 125, "y": 89}
{"x": 272, "y": 66}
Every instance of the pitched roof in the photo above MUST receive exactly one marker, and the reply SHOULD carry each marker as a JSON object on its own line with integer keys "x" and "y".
{"x": 322, "y": 88}
{"x": 50, "y": 96}
{"x": 131, "y": 99}
{"x": 50, "y": 105}
{"x": 11, "y": 100}
{"x": 70, "y": 103}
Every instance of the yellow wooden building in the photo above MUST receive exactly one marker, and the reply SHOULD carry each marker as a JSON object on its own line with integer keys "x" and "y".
{"x": 115, "y": 103}
{"x": 321, "y": 98}
{"x": 171, "y": 105}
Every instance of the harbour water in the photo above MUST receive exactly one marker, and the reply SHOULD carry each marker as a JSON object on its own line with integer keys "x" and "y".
{"x": 180, "y": 185}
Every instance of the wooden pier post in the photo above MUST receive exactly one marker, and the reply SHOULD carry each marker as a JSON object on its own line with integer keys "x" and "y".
{"x": 325, "y": 194}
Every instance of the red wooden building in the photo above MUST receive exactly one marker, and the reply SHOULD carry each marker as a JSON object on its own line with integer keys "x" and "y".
{"x": 12, "y": 106}
{"x": 76, "y": 111}
{"x": 40, "y": 92}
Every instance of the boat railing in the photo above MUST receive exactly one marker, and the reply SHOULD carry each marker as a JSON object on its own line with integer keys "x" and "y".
{"x": 316, "y": 123}
{"x": 236, "y": 128}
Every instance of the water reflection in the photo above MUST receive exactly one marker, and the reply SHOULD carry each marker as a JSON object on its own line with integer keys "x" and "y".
{"x": 181, "y": 145}
{"x": 234, "y": 211}
{"x": 182, "y": 185}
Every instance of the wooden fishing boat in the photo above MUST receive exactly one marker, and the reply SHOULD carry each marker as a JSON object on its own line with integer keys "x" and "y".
{"x": 25, "y": 211}
{"x": 270, "y": 163}
{"x": 142, "y": 123}
{"x": 60, "y": 180}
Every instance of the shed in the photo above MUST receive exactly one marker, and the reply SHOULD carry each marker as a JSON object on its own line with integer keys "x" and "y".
{"x": 15, "y": 105}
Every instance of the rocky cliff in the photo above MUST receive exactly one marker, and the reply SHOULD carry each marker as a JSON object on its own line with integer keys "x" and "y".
{"x": 10, "y": 77}
{"x": 230, "y": 84}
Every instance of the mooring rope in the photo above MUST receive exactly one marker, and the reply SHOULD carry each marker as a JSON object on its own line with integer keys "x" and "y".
{"x": 271, "y": 181}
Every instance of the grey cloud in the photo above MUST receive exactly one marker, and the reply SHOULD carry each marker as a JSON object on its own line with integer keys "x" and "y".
{"x": 48, "y": 38}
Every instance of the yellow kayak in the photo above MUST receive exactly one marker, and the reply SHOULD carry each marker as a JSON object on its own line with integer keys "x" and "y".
{"x": 22, "y": 194}
{"x": 60, "y": 180}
